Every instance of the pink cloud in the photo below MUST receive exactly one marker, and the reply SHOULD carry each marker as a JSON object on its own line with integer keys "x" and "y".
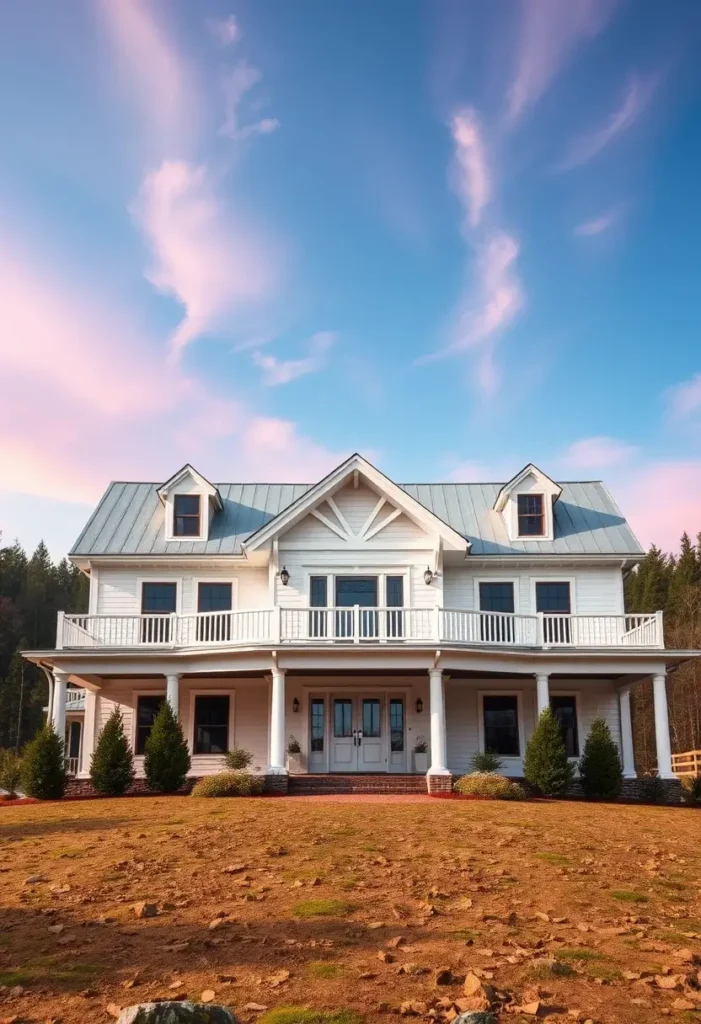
{"x": 550, "y": 32}
{"x": 282, "y": 371}
{"x": 685, "y": 398}
{"x": 277, "y": 445}
{"x": 637, "y": 96}
{"x": 662, "y": 501}
{"x": 597, "y": 226}
{"x": 471, "y": 178}
{"x": 597, "y": 453}
{"x": 224, "y": 30}
{"x": 210, "y": 261}
{"x": 236, "y": 85}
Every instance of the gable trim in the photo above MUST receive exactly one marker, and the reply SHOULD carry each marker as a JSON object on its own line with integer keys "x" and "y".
{"x": 554, "y": 489}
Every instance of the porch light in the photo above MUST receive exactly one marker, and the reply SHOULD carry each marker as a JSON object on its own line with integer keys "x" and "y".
{"x": 284, "y": 576}
{"x": 428, "y": 577}
{"x": 295, "y": 705}
{"x": 419, "y": 705}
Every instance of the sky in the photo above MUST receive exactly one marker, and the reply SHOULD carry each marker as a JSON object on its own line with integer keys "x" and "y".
{"x": 260, "y": 235}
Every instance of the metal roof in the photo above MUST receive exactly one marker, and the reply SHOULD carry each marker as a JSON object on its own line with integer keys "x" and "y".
{"x": 129, "y": 520}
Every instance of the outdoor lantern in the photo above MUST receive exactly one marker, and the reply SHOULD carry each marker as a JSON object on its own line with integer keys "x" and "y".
{"x": 419, "y": 705}
{"x": 428, "y": 577}
{"x": 284, "y": 576}
{"x": 295, "y": 705}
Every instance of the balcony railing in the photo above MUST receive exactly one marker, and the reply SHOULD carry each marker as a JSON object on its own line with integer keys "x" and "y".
{"x": 357, "y": 625}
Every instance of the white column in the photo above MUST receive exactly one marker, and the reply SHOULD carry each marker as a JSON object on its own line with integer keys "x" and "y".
{"x": 277, "y": 724}
{"x": 439, "y": 749}
{"x": 664, "y": 747}
{"x": 58, "y": 712}
{"x": 541, "y": 681}
{"x": 173, "y": 692}
{"x": 628, "y": 754}
{"x": 88, "y": 736}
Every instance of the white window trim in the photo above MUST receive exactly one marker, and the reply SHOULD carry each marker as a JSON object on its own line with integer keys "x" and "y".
{"x": 177, "y": 580}
{"x": 577, "y": 710}
{"x": 135, "y": 694}
{"x": 170, "y": 534}
{"x": 380, "y": 574}
{"x": 518, "y": 694}
{"x": 554, "y": 579}
{"x": 210, "y": 692}
{"x": 513, "y": 580}
{"x": 547, "y": 533}
{"x": 233, "y": 581}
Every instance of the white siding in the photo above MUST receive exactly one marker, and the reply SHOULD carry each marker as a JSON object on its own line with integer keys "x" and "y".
{"x": 596, "y": 590}
{"x": 119, "y": 590}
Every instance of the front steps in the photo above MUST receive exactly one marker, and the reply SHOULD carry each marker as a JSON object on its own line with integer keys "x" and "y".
{"x": 325, "y": 785}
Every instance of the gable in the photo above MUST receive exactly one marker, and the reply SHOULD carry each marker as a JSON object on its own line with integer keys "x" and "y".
{"x": 355, "y": 516}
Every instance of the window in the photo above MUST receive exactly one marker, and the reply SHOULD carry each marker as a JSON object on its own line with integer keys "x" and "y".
{"x": 360, "y": 590}
{"x": 214, "y": 597}
{"x": 565, "y": 711}
{"x": 553, "y": 599}
{"x": 146, "y": 710}
{"x": 211, "y": 725}
{"x": 371, "y": 719}
{"x": 531, "y": 515}
{"x": 396, "y": 725}
{"x": 496, "y": 597}
{"x": 186, "y": 515}
{"x": 318, "y": 598}
{"x": 159, "y": 599}
{"x": 342, "y": 719}
{"x": 317, "y": 712}
{"x": 501, "y": 734}
{"x": 394, "y": 593}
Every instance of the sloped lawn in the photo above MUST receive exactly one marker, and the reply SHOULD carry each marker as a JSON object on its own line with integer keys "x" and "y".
{"x": 332, "y": 912}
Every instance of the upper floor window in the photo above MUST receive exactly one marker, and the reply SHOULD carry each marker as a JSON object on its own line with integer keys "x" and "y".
{"x": 531, "y": 515}
{"x": 186, "y": 515}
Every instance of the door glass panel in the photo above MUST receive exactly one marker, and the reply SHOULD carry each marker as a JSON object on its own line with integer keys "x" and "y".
{"x": 74, "y": 740}
{"x": 496, "y": 597}
{"x": 371, "y": 719}
{"x": 343, "y": 719}
{"x": 318, "y": 587}
{"x": 564, "y": 709}
{"x": 396, "y": 724}
{"x": 395, "y": 602}
{"x": 317, "y": 725}
{"x": 214, "y": 597}
{"x": 356, "y": 590}
{"x": 554, "y": 600}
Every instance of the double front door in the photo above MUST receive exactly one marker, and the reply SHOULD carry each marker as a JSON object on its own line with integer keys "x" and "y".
{"x": 366, "y": 736}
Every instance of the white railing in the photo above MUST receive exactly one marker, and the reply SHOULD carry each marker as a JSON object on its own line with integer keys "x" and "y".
{"x": 358, "y": 625}
{"x": 71, "y": 766}
{"x": 74, "y": 697}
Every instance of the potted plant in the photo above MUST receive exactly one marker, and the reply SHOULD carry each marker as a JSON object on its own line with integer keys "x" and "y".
{"x": 420, "y": 756}
{"x": 294, "y": 756}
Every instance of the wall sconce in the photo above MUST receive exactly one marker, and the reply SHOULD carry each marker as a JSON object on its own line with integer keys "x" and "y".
{"x": 295, "y": 705}
{"x": 284, "y": 576}
{"x": 429, "y": 577}
{"x": 419, "y": 705}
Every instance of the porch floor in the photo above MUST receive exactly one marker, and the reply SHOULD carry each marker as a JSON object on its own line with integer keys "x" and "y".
{"x": 311, "y": 785}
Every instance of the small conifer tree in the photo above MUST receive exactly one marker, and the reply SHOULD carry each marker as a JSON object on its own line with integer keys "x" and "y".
{"x": 167, "y": 760}
{"x": 545, "y": 765}
{"x": 600, "y": 764}
{"x": 43, "y": 765}
{"x": 112, "y": 764}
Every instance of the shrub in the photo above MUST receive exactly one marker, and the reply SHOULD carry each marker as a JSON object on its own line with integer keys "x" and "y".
{"x": 166, "y": 761}
{"x": 545, "y": 765}
{"x": 10, "y": 772}
{"x": 237, "y": 759}
{"x": 651, "y": 788}
{"x": 488, "y": 784}
{"x": 293, "y": 746}
{"x": 600, "y": 764}
{"x": 691, "y": 787}
{"x": 421, "y": 745}
{"x": 230, "y": 784}
{"x": 112, "y": 763}
{"x": 486, "y": 761}
{"x": 43, "y": 765}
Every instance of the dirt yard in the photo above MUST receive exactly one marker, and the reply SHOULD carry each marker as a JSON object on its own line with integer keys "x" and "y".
{"x": 357, "y": 909}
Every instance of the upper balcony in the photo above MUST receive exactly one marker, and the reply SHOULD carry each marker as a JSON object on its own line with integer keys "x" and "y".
{"x": 359, "y": 625}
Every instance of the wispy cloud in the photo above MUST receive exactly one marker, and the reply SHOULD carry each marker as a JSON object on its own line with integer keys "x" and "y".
{"x": 282, "y": 371}
{"x": 685, "y": 399}
{"x": 598, "y": 225}
{"x": 470, "y": 174}
{"x": 595, "y": 453}
{"x": 207, "y": 258}
{"x": 236, "y": 85}
{"x": 550, "y": 32}
{"x": 225, "y": 31}
{"x": 586, "y": 147}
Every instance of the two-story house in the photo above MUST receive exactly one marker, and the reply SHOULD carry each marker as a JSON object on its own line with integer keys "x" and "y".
{"x": 358, "y": 616}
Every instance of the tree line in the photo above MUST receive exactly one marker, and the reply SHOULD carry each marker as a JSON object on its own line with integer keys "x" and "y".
{"x": 32, "y": 590}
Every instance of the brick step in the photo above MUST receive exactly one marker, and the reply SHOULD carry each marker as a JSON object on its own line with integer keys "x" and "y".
{"x": 308, "y": 785}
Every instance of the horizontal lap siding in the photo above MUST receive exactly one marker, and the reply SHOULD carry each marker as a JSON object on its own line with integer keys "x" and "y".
{"x": 119, "y": 590}
{"x": 597, "y": 590}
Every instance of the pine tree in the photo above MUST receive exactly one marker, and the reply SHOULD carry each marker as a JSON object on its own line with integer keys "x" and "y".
{"x": 167, "y": 760}
{"x": 112, "y": 764}
{"x": 43, "y": 766}
{"x": 545, "y": 765}
{"x": 600, "y": 764}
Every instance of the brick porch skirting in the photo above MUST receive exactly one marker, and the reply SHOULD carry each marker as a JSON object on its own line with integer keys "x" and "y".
{"x": 439, "y": 783}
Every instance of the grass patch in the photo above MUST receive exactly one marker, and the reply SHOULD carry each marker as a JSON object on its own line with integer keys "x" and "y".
{"x": 322, "y": 969}
{"x": 558, "y": 859}
{"x": 548, "y": 970}
{"x": 604, "y": 972}
{"x": 302, "y": 1015}
{"x": 466, "y": 935}
{"x": 46, "y": 969}
{"x": 579, "y": 954}
{"x": 667, "y": 883}
{"x": 629, "y": 896}
{"x": 321, "y": 908}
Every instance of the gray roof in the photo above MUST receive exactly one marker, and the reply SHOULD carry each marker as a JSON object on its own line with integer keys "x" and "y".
{"x": 129, "y": 520}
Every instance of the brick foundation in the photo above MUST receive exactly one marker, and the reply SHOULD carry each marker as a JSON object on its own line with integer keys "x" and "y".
{"x": 329, "y": 785}
{"x": 276, "y": 785}
{"x": 85, "y": 788}
{"x": 439, "y": 783}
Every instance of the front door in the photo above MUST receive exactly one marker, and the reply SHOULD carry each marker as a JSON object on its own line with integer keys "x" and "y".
{"x": 358, "y": 740}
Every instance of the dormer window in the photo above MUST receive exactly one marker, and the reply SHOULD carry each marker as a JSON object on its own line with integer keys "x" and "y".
{"x": 531, "y": 515}
{"x": 186, "y": 515}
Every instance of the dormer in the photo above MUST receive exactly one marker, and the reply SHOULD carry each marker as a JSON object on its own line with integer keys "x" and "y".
{"x": 190, "y": 502}
{"x": 526, "y": 503}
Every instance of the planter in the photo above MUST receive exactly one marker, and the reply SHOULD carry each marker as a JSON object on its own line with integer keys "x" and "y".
{"x": 420, "y": 763}
{"x": 295, "y": 764}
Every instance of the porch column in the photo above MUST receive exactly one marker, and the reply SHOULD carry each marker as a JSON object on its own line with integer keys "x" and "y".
{"x": 88, "y": 734}
{"x": 439, "y": 751}
{"x": 173, "y": 692}
{"x": 58, "y": 712}
{"x": 664, "y": 747}
{"x": 628, "y": 755}
{"x": 277, "y": 724}
{"x": 541, "y": 681}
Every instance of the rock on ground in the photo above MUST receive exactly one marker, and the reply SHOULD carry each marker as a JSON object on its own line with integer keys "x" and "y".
{"x": 180, "y": 1013}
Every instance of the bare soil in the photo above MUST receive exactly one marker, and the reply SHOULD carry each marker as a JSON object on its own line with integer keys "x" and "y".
{"x": 570, "y": 911}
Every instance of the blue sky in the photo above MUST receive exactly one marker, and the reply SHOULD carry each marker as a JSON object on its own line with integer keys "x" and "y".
{"x": 258, "y": 236}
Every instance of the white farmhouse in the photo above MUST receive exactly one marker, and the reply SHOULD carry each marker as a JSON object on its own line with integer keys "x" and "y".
{"x": 360, "y": 617}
